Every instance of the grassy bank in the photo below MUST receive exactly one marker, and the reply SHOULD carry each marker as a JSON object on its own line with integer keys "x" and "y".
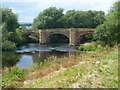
{"x": 89, "y": 69}
{"x": 101, "y": 72}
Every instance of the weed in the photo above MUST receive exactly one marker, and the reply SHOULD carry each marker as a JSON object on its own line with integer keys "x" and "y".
{"x": 13, "y": 78}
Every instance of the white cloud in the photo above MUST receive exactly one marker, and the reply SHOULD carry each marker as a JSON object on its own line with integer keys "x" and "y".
{"x": 16, "y": 11}
{"x": 40, "y": 5}
{"x": 79, "y": 4}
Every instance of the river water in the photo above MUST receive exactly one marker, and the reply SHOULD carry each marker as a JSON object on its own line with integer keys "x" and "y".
{"x": 25, "y": 56}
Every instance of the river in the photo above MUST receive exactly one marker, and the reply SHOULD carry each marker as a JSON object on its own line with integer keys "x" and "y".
{"x": 25, "y": 56}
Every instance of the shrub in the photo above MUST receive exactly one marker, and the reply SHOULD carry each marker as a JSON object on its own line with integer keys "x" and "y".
{"x": 88, "y": 47}
{"x": 8, "y": 45}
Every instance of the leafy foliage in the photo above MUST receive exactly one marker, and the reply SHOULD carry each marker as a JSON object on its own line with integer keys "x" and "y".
{"x": 87, "y": 38}
{"x": 54, "y": 18}
{"x": 6, "y": 44}
{"x": 49, "y": 18}
{"x": 19, "y": 36}
{"x": 83, "y": 19}
{"x": 10, "y": 35}
{"x": 108, "y": 33}
{"x": 10, "y": 19}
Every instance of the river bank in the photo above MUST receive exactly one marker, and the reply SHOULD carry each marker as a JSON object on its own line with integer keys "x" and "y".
{"x": 89, "y": 69}
{"x": 100, "y": 71}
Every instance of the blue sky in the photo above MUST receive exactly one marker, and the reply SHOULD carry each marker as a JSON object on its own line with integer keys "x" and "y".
{"x": 27, "y": 10}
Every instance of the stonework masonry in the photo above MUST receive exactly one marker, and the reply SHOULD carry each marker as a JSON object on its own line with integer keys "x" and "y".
{"x": 74, "y": 34}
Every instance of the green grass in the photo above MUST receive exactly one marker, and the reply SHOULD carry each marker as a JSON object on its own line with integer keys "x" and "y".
{"x": 101, "y": 72}
{"x": 13, "y": 78}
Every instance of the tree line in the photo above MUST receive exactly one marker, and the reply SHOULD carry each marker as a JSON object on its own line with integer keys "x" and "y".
{"x": 54, "y": 18}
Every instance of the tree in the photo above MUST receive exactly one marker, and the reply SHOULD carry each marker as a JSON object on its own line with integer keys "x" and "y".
{"x": 49, "y": 18}
{"x": 68, "y": 19}
{"x": 54, "y": 18}
{"x": 10, "y": 36}
{"x": 108, "y": 33}
{"x": 83, "y": 19}
{"x": 6, "y": 43}
{"x": 10, "y": 19}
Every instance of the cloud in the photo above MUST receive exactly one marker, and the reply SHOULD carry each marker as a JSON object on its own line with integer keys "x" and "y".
{"x": 29, "y": 9}
{"x": 75, "y": 4}
{"x": 17, "y": 11}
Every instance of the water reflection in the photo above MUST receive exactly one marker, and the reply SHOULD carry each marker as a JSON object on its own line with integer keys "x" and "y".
{"x": 25, "y": 61}
{"x": 25, "y": 56}
{"x": 10, "y": 59}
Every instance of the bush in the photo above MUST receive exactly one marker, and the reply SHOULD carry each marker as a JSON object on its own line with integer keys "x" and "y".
{"x": 88, "y": 47}
{"x": 18, "y": 36}
{"x": 8, "y": 45}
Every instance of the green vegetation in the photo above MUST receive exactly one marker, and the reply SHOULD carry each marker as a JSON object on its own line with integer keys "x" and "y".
{"x": 9, "y": 58}
{"x": 49, "y": 18}
{"x": 10, "y": 35}
{"x": 54, "y": 18}
{"x": 108, "y": 33}
{"x": 93, "y": 46}
{"x": 87, "y": 38}
{"x": 12, "y": 78}
{"x": 88, "y": 47}
{"x": 98, "y": 72}
{"x": 31, "y": 39}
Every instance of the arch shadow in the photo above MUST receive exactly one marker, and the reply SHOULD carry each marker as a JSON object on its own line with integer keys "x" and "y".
{"x": 85, "y": 38}
{"x": 57, "y": 38}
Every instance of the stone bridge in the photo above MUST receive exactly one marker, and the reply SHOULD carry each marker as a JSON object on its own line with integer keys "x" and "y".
{"x": 74, "y": 34}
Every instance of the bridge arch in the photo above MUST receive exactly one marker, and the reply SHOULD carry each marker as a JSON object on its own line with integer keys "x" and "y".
{"x": 57, "y": 38}
{"x": 82, "y": 36}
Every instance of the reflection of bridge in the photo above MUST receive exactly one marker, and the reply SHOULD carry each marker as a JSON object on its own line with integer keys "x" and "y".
{"x": 74, "y": 34}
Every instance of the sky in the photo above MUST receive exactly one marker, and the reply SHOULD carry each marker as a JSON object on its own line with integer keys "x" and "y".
{"x": 27, "y": 10}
